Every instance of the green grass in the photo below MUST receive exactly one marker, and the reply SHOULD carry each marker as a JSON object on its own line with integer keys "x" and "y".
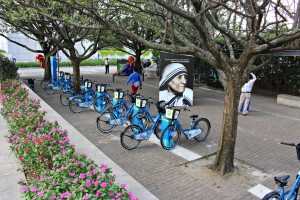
{"x": 96, "y": 62}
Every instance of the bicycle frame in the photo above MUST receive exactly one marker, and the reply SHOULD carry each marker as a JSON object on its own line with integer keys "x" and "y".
{"x": 292, "y": 194}
{"x": 190, "y": 132}
{"x": 145, "y": 135}
{"x": 121, "y": 120}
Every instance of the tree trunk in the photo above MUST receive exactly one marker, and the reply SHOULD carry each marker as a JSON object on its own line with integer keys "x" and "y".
{"x": 47, "y": 71}
{"x": 223, "y": 162}
{"x": 138, "y": 64}
{"x": 76, "y": 74}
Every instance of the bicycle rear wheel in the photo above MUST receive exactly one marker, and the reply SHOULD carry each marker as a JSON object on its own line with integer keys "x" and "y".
{"x": 43, "y": 84}
{"x": 49, "y": 88}
{"x": 272, "y": 196}
{"x": 101, "y": 104}
{"x": 170, "y": 137}
{"x": 204, "y": 125}
{"x": 103, "y": 122}
{"x": 64, "y": 98}
{"x": 126, "y": 137}
{"x": 157, "y": 130}
{"x": 140, "y": 119}
{"x": 74, "y": 104}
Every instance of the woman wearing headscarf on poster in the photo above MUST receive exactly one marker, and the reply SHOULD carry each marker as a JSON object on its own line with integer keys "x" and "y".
{"x": 172, "y": 86}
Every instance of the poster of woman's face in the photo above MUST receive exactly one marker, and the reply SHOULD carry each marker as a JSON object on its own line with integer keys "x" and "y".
{"x": 176, "y": 79}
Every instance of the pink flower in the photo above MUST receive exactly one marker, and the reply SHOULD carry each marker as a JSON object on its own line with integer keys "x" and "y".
{"x": 96, "y": 183}
{"x": 67, "y": 181}
{"x": 82, "y": 176}
{"x": 53, "y": 197}
{"x": 90, "y": 174}
{"x": 103, "y": 184}
{"x": 111, "y": 194}
{"x": 81, "y": 188}
{"x": 24, "y": 188}
{"x": 88, "y": 183}
{"x": 53, "y": 182}
{"x": 75, "y": 180}
{"x": 123, "y": 185}
{"x": 119, "y": 194}
{"x": 86, "y": 196}
{"x": 98, "y": 193}
{"x": 95, "y": 171}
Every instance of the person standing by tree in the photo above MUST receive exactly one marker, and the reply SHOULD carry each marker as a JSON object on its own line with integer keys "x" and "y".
{"x": 246, "y": 94}
{"x": 106, "y": 66}
{"x": 136, "y": 81}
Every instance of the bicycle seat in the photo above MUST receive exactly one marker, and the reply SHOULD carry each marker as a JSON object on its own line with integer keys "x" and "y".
{"x": 283, "y": 180}
{"x": 194, "y": 116}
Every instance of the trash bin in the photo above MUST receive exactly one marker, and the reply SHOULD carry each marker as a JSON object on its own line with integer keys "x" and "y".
{"x": 151, "y": 73}
{"x": 53, "y": 64}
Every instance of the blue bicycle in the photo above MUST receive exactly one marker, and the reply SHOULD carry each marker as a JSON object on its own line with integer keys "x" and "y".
{"x": 85, "y": 100}
{"x": 118, "y": 115}
{"x": 133, "y": 134}
{"x": 172, "y": 129}
{"x": 57, "y": 85}
{"x": 282, "y": 181}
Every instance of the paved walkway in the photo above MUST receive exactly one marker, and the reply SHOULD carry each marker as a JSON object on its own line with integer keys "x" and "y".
{"x": 152, "y": 173}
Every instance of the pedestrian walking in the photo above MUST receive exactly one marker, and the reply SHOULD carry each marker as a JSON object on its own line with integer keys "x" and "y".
{"x": 106, "y": 66}
{"x": 136, "y": 81}
{"x": 246, "y": 94}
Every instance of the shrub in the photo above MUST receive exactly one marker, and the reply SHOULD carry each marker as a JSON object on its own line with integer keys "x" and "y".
{"x": 8, "y": 69}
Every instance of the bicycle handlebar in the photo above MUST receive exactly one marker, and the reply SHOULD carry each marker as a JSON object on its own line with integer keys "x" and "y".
{"x": 289, "y": 144}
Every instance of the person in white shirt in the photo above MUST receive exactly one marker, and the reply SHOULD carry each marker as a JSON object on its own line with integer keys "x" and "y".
{"x": 173, "y": 88}
{"x": 246, "y": 94}
{"x": 106, "y": 66}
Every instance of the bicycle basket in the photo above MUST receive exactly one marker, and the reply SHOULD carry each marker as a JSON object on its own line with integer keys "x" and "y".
{"x": 67, "y": 76}
{"x": 118, "y": 94}
{"x": 140, "y": 103}
{"x": 298, "y": 151}
{"x": 100, "y": 88}
{"x": 172, "y": 113}
{"x": 88, "y": 84}
{"x": 161, "y": 106}
{"x": 61, "y": 74}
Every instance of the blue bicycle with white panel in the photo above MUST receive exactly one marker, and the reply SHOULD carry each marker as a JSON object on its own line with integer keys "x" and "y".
{"x": 133, "y": 134}
{"x": 118, "y": 115}
{"x": 56, "y": 85}
{"x": 171, "y": 128}
{"x": 85, "y": 100}
{"x": 282, "y": 181}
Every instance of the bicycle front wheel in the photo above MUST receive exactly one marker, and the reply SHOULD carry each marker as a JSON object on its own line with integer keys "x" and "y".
{"x": 141, "y": 119}
{"x": 127, "y": 139}
{"x": 49, "y": 88}
{"x": 74, "y": 104}
{"x": 204, "y": 125}
{"x": 64, "y": 98}
{"x": 103, "y": 122}
{"x": 272, "y": 196}
{"x": 170, "y": 137}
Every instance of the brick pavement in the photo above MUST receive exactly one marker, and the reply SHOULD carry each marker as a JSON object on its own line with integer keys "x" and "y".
{"x": 159, "y": 171}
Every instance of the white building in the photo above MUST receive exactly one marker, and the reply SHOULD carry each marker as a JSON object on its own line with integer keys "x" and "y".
{"x": 23, "y": 55}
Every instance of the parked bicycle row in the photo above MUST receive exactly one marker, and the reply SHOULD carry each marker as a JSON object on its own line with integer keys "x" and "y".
{"x": 116, "y": 107}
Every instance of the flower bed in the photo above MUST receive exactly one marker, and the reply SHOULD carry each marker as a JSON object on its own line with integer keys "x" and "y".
{"x": 51, "y": 165}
